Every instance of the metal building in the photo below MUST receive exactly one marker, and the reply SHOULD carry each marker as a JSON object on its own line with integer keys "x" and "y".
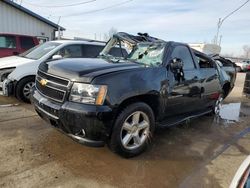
{"x": 16, "y": 19}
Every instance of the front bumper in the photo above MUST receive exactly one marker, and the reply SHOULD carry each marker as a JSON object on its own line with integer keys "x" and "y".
{"x": 87, "y": 124}
{"x": 6, "y": 87}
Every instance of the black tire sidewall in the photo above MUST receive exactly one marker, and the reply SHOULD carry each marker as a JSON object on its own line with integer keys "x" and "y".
{"x": 19, "y": 88}
{"x": 115, "y": 141}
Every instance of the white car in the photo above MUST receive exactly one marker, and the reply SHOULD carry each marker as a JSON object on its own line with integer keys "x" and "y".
{"x": 243, "y": 66}
{"x": 17, "y": 73}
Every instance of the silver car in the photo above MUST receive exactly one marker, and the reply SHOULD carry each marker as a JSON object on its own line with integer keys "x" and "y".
{"x": 243, "y": 66}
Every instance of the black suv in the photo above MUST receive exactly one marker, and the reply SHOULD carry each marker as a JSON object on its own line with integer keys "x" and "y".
{"x": 121, "y": 100}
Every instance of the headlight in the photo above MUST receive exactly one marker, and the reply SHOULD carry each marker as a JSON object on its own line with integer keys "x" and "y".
{"x": 88, "y": 94}
{"x": 5, "y": 72}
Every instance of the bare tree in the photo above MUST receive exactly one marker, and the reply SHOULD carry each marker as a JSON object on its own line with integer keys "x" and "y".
{"x": 110, "y": 33}
{"x": 246, "y": 49}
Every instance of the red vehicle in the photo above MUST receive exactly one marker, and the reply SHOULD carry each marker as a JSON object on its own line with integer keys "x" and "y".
{"x": 14, "y": 44}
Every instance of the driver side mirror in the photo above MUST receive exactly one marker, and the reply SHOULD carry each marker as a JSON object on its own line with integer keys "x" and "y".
{"x": 176, "y": 65}
{"x": 56, "y": 57}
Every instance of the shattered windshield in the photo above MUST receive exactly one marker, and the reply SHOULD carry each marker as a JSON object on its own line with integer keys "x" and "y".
{"x": 146, "y": 53}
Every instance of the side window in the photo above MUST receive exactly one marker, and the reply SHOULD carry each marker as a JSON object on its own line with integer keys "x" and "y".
{"x": 7, "y": 42}
{"x": 71, "y": 51}
{"x": 117, "y": 52}
{"x": 91, "y": 51}
{"x": 204, "y": 62}
{"x": 183, "y": 53}
{"x": 26, "y": 42}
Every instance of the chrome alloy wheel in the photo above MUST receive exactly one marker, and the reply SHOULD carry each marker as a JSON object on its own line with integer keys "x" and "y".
{"x": 135, "y": 130}
{"x": 27, "y": 89}
{"x": 218, "y": 105}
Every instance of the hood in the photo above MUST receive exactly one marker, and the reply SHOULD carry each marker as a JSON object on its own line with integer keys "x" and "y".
{"x": 84, "y": 69}
{"x": 13, "y": 61}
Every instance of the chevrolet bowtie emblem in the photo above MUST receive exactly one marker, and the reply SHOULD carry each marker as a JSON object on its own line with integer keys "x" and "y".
{"x": 43, "y": 82}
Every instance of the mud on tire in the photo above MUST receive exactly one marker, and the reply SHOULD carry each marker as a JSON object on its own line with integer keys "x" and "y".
{"x": 135, "y": 126}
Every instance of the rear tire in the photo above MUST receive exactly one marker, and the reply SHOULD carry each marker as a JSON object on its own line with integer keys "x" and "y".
{"x": 218, "y": 104}
{"x": 24, "y": 88}
{"x": 132, "y": 131}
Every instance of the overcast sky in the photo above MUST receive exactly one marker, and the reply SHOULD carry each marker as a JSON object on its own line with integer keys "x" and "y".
{"x": 187, "y": 21}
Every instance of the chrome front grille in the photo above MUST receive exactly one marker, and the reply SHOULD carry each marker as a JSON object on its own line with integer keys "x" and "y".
{"x": 51, "y": 86}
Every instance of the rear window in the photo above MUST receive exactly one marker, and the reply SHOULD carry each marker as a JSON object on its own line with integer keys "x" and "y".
{"x": 26, "y": 42}
{"x": 7, "y": 42}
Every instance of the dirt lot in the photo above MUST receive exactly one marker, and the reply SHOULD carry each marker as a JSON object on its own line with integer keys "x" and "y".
{"x": 205, "y": 152}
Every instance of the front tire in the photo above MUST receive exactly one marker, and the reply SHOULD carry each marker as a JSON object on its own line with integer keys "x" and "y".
{"x": 132, "y": 130}
{"x": 24, "y": 88}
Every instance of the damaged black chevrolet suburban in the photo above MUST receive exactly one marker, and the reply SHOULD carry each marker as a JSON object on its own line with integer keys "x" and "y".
{"x": 121, "y": 100}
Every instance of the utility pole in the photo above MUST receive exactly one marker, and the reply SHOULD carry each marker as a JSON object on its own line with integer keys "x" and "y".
{"x": 220, "y": 40}
{"x": 59, "y": 29}
{"x": 222, "y": 20}
{"x": 218, "y": 30}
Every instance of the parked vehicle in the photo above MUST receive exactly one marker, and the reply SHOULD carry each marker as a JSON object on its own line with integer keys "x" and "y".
{"x": 243, "y": 66}
{"x": 14, "y": 44}
{"x": 17, "y": 73}
{"x": 121, "y": 100}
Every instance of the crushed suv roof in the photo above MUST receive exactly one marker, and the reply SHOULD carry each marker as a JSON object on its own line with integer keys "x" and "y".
{"x": 141, "y": 37}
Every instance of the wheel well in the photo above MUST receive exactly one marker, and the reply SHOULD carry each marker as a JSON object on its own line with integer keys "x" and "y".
{"x": 226, "y": 88}
{"x": 149, "y": 99}
{"x": 17, "y": 82}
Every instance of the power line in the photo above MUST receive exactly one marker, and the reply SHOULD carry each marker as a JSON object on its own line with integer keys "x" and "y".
{"x": 60, "y": 6}
{"x": 98, "y": 10}
{"x": 222, "y": 20}
{"x": 235, "y": 10}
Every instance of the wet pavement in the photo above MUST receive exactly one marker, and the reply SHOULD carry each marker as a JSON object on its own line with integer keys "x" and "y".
{"x": 204, "y": 152}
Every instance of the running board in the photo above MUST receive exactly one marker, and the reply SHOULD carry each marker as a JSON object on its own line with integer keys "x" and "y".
{"x": 180, "y": 119}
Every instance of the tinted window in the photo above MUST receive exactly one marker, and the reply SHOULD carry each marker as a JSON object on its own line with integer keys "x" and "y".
{"x": 117, "y": 52}
{"x": 7, "y": 42}
{"x": 203, "y": 61}
{"x": 26, "y": 42}
{"x": 72, "y": 51}
{"x": 183, "y": 53}
{"x": 91, "y": 51}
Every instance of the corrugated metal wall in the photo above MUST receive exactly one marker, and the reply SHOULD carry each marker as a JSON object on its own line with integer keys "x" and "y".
{"x": 15, "y": 21}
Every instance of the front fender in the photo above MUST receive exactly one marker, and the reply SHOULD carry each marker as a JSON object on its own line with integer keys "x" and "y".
{"x": 131, "y": 83}
{"x": 22, "y": 71}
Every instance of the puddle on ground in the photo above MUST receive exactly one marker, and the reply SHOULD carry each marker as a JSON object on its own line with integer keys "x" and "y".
{"x": 232, "y": 113}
